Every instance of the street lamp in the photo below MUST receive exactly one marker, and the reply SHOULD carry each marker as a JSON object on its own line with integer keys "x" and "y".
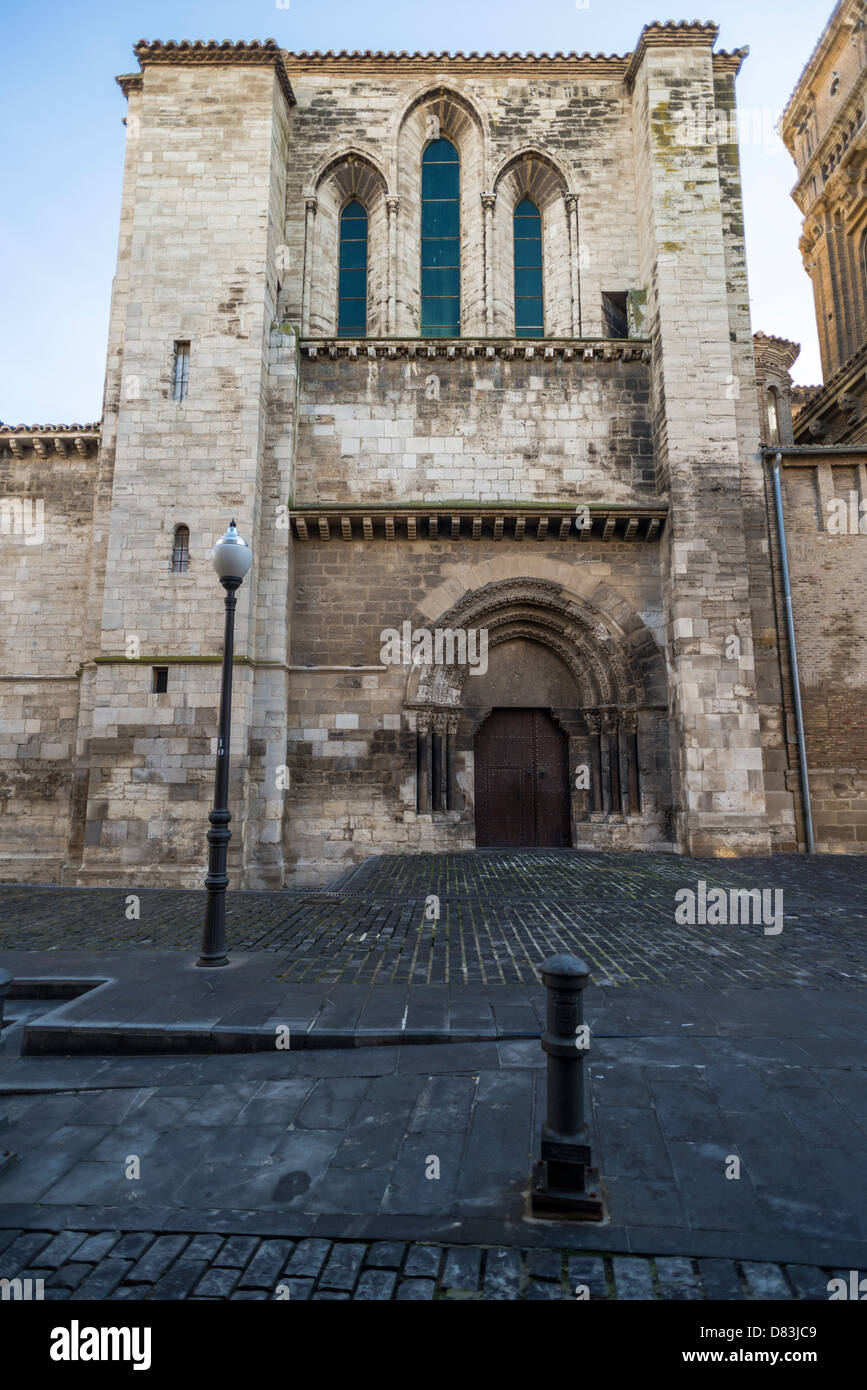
{"x": 232, "y": 557}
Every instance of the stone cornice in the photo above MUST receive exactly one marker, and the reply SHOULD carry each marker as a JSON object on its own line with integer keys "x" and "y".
{"x": 210, "y": 52}
{"x": 49, "y": 440}
{"x": 129, "y": 82}
{"x": 849, "y": 375}
{"x": 777, "y": 353}
{"x": 569, "y": 65}
{"x": 468, "y": 520}
{"x": 480, "y": 349}
{"x": 670, "y": 35}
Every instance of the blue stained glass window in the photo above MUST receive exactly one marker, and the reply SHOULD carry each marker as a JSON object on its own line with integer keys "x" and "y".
{"x": 352, "y": 286}
{"x": 529, "y": 317}
{"x": 440, "y": 241}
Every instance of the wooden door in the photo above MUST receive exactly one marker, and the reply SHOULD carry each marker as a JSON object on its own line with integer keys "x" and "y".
{"x": 522, "y": 780}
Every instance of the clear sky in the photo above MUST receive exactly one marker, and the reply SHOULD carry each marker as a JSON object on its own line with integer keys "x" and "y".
{"x": 61, "y": 113}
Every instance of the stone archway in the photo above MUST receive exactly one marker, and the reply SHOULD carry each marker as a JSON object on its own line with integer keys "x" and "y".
{"x": 601, "y": 678}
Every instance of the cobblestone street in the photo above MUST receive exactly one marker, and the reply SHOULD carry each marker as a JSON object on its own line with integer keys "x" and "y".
{"x": 142, "y": 1265}
{"x": 501, "y": 915}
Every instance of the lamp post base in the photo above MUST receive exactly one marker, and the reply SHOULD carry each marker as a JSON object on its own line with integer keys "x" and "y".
{"x": 547, "y": 1200}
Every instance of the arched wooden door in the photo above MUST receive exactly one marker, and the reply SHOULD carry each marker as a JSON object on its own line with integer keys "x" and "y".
{"x": 521, "y": 761}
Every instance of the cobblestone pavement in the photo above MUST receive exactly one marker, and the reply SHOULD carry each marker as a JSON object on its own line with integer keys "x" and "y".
{"x": 501, "y": 914}
{"x": 143, "y": 1265}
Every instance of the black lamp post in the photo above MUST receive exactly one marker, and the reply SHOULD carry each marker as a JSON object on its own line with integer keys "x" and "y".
{"x": 232, "y": 558}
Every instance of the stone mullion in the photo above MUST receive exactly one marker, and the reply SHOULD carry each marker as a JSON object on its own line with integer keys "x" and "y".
{"x": 310, "y": 208}
{"x": 488, "y": 203}
{"x": 392, "y": 206}
{"x": 571, "y": 200}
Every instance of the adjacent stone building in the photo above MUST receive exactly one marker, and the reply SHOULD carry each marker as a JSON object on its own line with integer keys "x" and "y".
{"x": 463, "y": 344}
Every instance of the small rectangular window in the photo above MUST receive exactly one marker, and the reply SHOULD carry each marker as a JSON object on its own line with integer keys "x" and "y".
{"x": 182, "y": 370}
{"x": 160, "y": 680}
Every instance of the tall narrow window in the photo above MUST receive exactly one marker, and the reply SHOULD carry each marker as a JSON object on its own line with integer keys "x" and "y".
{"x": 352, "y": 292}
{"x": 773, "y": 416}
{"x": 159, "y": 679}
{"x": 182, "y": 370}
{"x": 181, "y": 550}
{"x": 529, "y": 318}
{"x": 440, "y": 241}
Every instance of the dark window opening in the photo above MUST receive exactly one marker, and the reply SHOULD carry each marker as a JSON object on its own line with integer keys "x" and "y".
{"x": 352, "y": 272}
{"x": 614, "y": 314}
{"x": 181, "y": 371}
{"x": 160, "y": 680}
{"x": 440, "y": 241}
{"x": 529, "y": 317}
{"x": 181, "y": 549}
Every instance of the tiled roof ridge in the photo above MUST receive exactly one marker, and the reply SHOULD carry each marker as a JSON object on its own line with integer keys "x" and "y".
{"x": 51, "y": 429}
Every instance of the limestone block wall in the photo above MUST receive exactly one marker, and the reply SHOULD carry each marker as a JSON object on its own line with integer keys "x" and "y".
{"x": 352, "y": 731}
{"x": 46, "y": 505}
{"x": 828, "y": 569}
{"x": 423, "y": 429}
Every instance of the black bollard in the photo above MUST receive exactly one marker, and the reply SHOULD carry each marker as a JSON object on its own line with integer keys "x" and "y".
{"x": 564, "y": 1183}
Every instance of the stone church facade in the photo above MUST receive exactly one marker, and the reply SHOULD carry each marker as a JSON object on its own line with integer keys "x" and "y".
{"x": 463, "y": 344}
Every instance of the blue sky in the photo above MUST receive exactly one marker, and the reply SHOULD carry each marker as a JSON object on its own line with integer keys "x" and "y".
{"x": 61, "y": 113}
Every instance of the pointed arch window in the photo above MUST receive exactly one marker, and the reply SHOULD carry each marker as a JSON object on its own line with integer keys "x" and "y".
{"x": 529, "y": 315}
{"x": 440, "y": 241}
{"x": 181, "y": 550}
{"x": 352, "y": 290}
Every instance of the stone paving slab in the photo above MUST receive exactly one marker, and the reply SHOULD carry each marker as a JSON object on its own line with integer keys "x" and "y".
{"x": 164, "y": 1004}
{"x": 501, "y": 914}
{"x": 337, "y": 1145}
{"x": 141, "y": 1265}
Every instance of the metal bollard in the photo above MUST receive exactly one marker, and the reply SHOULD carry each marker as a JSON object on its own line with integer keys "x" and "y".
{"x": 564, "y": 1182}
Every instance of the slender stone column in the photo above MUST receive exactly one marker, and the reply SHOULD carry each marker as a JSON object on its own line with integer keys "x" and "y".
{"x": 310, "y": 213}
{"x": 423, "y": 774}
{"x": 571, "y": 200}
{"x": 594, "y": 724}
{"x": 488, "y": 203}
{"x": 451, "y": 748}
{"x": 392, "y": 204}
{"x": 610, "y": 733}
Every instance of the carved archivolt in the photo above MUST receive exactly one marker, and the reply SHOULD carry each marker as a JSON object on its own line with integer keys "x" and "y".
{"x": 610, "y": 668}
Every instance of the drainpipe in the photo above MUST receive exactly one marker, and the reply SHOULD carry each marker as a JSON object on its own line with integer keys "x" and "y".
{"x": 793, "y": 655}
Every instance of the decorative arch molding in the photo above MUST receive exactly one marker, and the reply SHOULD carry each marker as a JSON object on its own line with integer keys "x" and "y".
{"x": 613, "y": 664}
{"x": 533, "y": 173}
{"x": 357, "y": 169}
{"x": 457, "y": 112}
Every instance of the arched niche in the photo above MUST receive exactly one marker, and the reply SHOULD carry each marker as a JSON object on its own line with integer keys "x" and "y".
{"x": 530, "y": 173}
{"x": 346, "y": 177}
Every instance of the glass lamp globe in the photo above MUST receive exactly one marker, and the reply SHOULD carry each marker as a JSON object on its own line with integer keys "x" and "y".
{"x": 232, "y": 556}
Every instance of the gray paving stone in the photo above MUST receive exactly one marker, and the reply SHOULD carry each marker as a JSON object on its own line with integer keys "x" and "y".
{"x": 156, "y": 1260}
{"x": 259, "y": 1295}
{"x": 416, "y": 1290}
{"x": 504, "y": 1273}
{"x": 24, "y": 1249}
{"x": 423, "y": 1260}
{"x": 809, "y": 1282}
{"x": 218, "y": 1282}
{"x": 298, "y": 1288}
{"x": 308, "y": 1257}
{"x": 677, "y": 1278}
{"x": 589, "y": 1271}
{"x": 632, "y": 1278}
{"x": 720, "y": 1279}
{"x": 70, "y": 1276}
{"x": 61, "y": 1249}
{"x": 102, "y": 1281}
{"x": 765, "y": 1280}
{"x": 180, "y": 1280}
{"x": 133, "y": 1245}
{"x": 237, "y": 1251}
{"x": 334, "y": 1295}
{"x": 203, "y": 1247}
{"x": 463, "y": 1268}
{"x": 385, "y": 1254}
{"x": 545, "y": 1264}
{"x": 342, "y": 1267}
{"x": 264, "y": 1269}
{"x": 96, "y": 1247}
{"x": 376, "y": 1284}
{"x": 539, "y": 1290}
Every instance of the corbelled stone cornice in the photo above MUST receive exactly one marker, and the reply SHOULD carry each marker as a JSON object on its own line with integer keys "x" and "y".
{"x": 210, "y": 52}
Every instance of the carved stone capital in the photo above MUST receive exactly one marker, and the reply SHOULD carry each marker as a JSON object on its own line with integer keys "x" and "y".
{"x": 312, "y": 205}
{"x": 571, "y": 201}
{"x": 489, "y": 201}
{"x": 392, "y": 204}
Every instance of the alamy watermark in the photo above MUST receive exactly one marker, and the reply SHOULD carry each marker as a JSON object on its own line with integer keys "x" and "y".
{"x": 23, "y": 516}
{"x": 719, "y": 907}
{"x": 441, "y": 646}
